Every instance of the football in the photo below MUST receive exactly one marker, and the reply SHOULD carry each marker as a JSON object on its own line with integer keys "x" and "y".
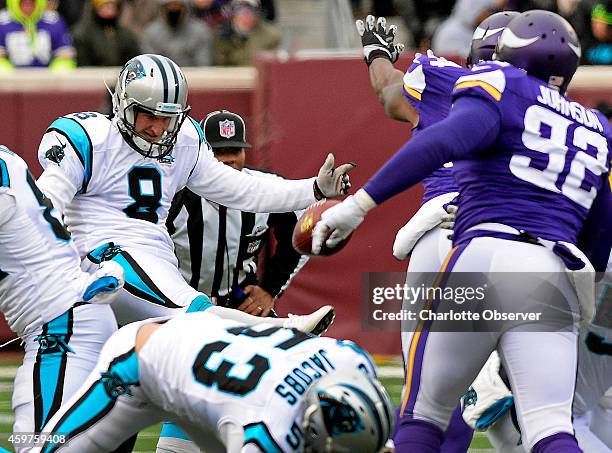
{"x": 302, "y": 233}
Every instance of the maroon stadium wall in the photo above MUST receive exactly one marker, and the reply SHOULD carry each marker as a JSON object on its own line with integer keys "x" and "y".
{"x": 296, "y": 112}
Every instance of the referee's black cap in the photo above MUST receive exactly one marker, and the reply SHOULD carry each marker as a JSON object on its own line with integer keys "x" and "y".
{"x": 224, "y": 129}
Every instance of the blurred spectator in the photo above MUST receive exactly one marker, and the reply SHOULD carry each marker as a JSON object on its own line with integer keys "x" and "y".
{"x": 100, "y": 40}
{"x": 455, "y": 33}
{"x": 357, "y": 7}
{"x": 31, "y": 36}
{"x": 384, "y": 8}
{"x": 213, "y": 12}
{"x": 577, "y": 13}
{"x": 268, "y": 10}
{"x": 71, "y": 10}
{"x": 243, "y": 34}
{"x": 605, "y": 108}
{"x": 423, "y": 17}
{"x": 138, "y": 14}
{"x": 600, "y": 52}
{"x": 177, "y": 35}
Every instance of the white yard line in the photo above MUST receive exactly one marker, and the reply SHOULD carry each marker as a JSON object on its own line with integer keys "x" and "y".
{"x": 387, "y": 372}
{"x": 8, "y": 372}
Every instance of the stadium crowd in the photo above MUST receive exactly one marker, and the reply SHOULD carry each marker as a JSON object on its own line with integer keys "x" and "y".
{"x": 446, "y": 26}
{"x": 68, "y": 33}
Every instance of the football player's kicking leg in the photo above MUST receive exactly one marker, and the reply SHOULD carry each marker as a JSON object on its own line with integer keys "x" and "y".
{"x": 154, "y": 287}
{"x": 110, "y": 406}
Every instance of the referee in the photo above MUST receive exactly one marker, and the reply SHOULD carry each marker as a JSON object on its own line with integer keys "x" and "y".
{"x": 217, "y": 247}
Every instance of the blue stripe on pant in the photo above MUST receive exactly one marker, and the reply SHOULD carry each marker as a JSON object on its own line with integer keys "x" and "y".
{"x": 99, "y": 399}
{"x": 169, "y": 429}
{"x": 50, "y": 367}
{"x": 137, "y": 282}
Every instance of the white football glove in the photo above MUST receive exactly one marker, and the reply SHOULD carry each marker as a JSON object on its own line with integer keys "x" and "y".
{"x": 103, "y": 285}
{"x": 426, "y": 218}
{"x": 488, "y": 398}
{"x": 341, "y": 220}
{"x": 332, "y": 182}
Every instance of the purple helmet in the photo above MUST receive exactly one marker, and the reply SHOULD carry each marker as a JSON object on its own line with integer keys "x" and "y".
{"x": 542, "y": 43}
{"x": 486, "y": 35}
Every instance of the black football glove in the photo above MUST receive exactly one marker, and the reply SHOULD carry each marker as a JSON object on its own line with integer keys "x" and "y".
{"x": 377, "y": 40}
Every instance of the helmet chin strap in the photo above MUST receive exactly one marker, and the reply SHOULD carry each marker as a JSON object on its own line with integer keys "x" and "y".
{"x": 130, "y": 136}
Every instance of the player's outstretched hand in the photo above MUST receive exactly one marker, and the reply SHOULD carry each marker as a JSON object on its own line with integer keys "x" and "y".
{"x": 332, "y": 182}
{"x": 341, "y": 220}
{"x": 377, "y": 39}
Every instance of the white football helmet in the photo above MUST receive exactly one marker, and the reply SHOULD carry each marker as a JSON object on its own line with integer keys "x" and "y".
{"x": 154, "y": 84}
{"x": 346, "y": 412}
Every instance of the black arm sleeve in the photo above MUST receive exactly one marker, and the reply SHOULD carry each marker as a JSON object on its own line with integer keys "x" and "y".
{"x": 283, "y": 263}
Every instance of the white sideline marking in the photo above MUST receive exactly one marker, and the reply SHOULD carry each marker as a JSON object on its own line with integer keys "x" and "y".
{"x": 8, "y": 372}
{"x": 7, "y": 419}
{"x": 387, "y": 372}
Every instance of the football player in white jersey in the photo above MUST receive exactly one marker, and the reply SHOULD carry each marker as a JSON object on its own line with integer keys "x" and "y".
{"x": 47, "y": 300}
{"x": 114, "y": 180}
{"x": 232, "y": 388}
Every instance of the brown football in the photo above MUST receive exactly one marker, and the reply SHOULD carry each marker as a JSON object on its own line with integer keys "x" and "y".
{"x": 302, "y": 233}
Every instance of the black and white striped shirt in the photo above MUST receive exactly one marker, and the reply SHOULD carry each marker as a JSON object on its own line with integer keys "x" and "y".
{"x": 217, "y": 247}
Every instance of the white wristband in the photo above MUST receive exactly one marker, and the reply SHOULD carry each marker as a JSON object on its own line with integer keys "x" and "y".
{"x": 364, "y": 200}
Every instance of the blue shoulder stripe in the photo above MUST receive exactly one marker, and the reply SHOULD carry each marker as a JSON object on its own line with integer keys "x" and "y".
{"x": 78, "y": 137}
{"x": 5, "y": 180}
{"x": 198, "y": 128}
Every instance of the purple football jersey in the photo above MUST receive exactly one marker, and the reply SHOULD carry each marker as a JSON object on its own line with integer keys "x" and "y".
{"x": 428, "y": 86}
{"x": 549, "y": 160}
{"x": 51, "y": 36}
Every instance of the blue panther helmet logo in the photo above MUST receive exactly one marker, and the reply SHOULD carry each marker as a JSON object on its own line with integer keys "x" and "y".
{"x": 134, "y": 70}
